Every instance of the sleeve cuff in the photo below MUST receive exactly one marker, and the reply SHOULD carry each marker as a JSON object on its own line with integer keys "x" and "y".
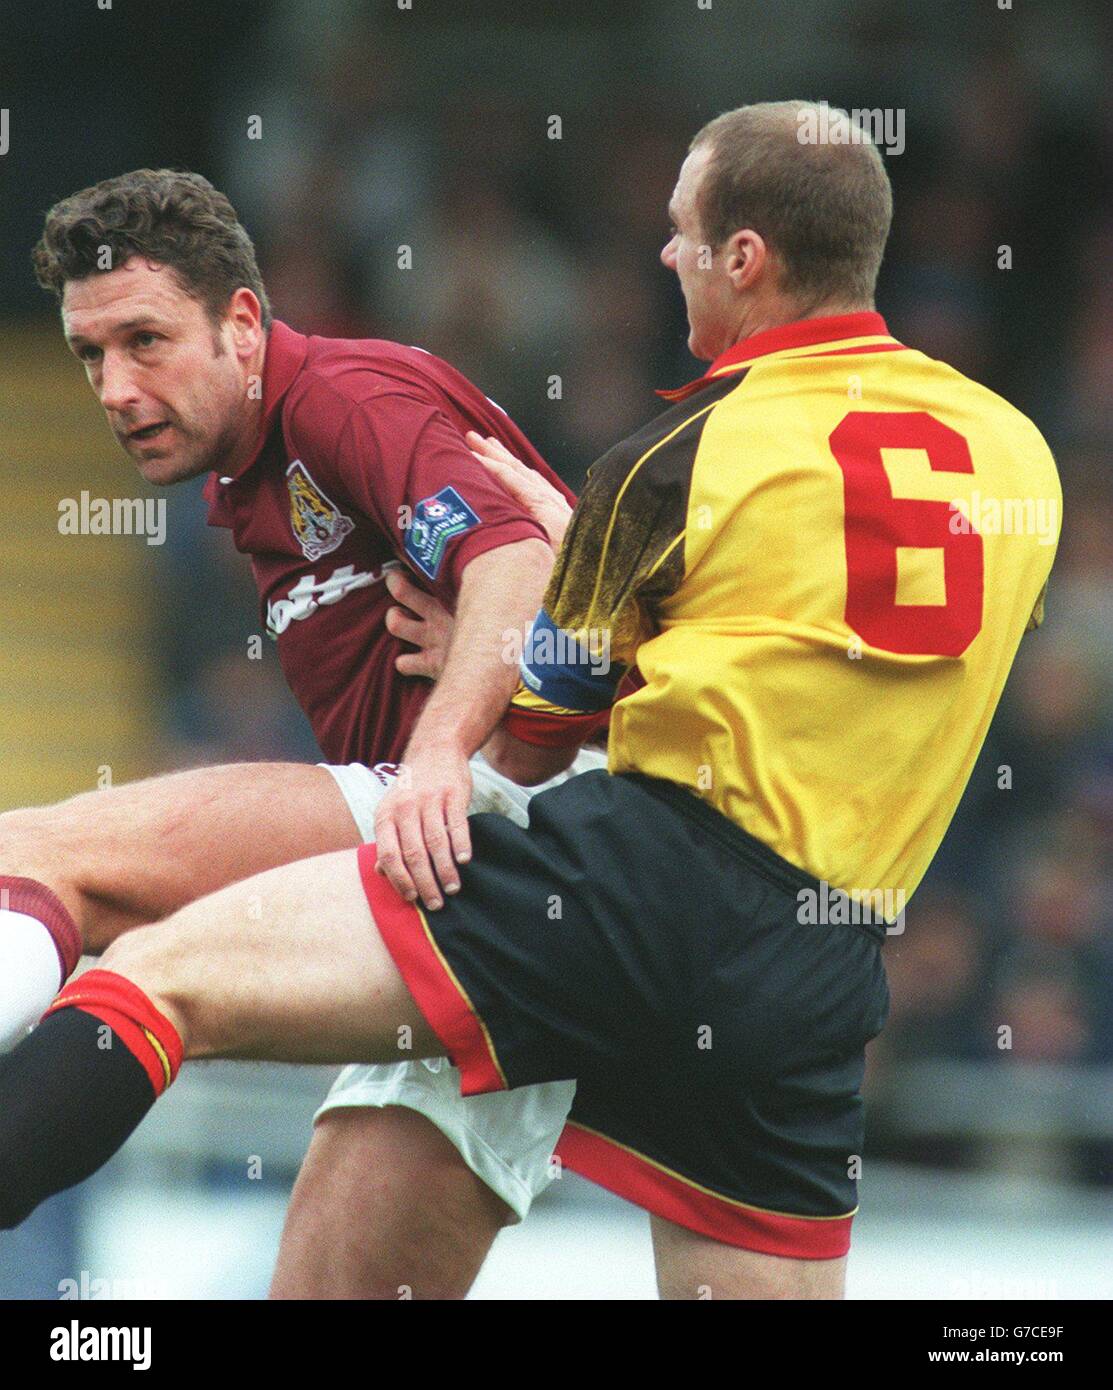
{"x": 488, "y": 537}
{"x": 544, "y": 730}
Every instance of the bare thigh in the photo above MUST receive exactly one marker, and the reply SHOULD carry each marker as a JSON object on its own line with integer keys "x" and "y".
{"x": 289, "y": 966}
{"x": 130, "y": 855}
{"x": 693, "y": 1266}
{"x": 286, "y": 966}
{"x": 384, "y": 1208}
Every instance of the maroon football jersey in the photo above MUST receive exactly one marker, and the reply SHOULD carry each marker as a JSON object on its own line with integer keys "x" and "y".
{"x": 361, "y": 466}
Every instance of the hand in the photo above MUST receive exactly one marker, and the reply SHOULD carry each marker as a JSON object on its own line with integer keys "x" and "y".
{"x": 430, "y": 630}
{"x": 537, "y": 496}
{"x": 421, "y": 826}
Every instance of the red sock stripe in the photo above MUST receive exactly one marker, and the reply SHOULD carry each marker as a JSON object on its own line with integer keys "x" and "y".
{"x": 35, "y": 899}
{"x": 148, "y": 1035}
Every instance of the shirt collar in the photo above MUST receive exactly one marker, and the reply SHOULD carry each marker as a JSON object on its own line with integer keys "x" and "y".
{"x": 802, "y": 333}
{"x": 283, "y": 360}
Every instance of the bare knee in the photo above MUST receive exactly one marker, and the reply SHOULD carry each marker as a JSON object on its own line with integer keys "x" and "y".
{"x": 98, "y": 852}
{"x": 157, "y": 960}
{"x": 27, "y": 840}
{"x": 34, "y": 844}
{"x": 385, "y": 1208}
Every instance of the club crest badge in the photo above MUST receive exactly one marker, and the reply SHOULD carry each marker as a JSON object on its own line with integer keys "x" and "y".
{"x": 435, "y": 521}
{"x": 319, "y": 525}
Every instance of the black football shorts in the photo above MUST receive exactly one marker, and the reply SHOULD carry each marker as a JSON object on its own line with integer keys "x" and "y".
{"x": 636, "y": 941}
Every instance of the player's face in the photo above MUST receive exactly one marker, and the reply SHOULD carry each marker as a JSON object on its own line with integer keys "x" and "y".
{"x": 171, "y": 383}
{"x": 703, "y": 280}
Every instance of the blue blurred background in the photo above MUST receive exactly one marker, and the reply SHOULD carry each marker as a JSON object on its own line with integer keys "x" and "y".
{"x": 533, "y": 258}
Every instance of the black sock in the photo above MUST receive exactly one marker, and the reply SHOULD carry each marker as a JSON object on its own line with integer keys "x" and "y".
{"x": 67, "y": 1103}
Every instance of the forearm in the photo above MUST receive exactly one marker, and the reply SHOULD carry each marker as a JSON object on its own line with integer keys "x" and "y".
{"x": 501, "y": 592}
{"x": 525, "y": 763}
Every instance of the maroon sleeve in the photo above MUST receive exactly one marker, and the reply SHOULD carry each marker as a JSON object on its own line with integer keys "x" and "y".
{"x": 395, "y": 454}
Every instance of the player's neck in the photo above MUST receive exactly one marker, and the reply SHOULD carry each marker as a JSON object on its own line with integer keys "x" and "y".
{"x": 247, "y": 437}
{"x": 779, "y": 312}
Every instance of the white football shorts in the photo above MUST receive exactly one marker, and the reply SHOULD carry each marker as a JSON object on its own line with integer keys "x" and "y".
{"x": 506, "y": 1138}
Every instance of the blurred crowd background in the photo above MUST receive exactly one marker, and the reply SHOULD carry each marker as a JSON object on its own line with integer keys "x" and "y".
{"x": 536, "y": 258}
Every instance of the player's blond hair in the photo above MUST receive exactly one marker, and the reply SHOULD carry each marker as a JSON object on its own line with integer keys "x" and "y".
{"x": 823, "y": 207}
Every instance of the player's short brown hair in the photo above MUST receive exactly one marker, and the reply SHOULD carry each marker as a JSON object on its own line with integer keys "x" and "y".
{"x": 170, "y": 216}
{"x": 823, "y": 208}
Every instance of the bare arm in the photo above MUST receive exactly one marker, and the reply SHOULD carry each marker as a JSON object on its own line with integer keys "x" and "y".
{"x": 422, "y": 827}
{"x": 525, "y": 763}
{"x": 422, "y": 620}
{"x": 500, "y": 593}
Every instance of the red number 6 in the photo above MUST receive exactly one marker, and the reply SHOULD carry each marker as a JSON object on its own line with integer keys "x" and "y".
{"x": 877, "y": 523}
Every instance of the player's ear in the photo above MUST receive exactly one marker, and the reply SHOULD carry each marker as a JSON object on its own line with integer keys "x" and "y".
{"x": 245, "y": 314}
{"x": 745, "y": 258}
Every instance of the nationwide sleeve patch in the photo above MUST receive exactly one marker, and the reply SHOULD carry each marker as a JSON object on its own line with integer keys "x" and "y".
{"x": 436, "y": 520}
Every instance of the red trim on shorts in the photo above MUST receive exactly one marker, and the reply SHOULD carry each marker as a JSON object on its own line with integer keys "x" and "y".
{"x": 648, "y": 1185}
{"x": 429, "y": 978}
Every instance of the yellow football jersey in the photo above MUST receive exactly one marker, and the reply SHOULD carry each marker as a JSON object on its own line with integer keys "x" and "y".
{"x": 817, "y": 566}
